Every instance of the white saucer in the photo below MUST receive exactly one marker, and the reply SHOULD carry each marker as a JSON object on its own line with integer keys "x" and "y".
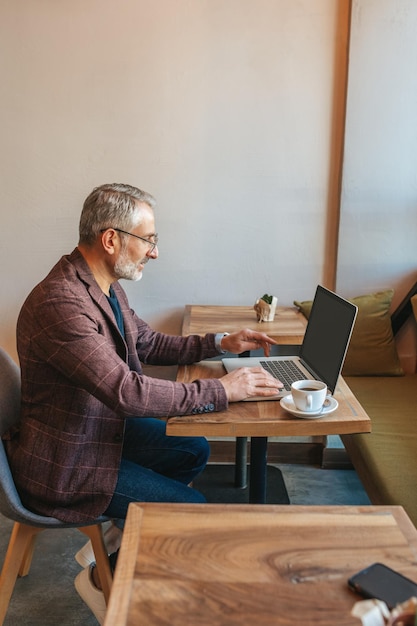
{"x": 330, "y": 405}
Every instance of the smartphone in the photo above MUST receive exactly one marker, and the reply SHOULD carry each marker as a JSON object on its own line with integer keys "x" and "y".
{"x": 382, "y": 582}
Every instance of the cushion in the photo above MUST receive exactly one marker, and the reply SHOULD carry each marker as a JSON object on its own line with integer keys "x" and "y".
{"x": 414, "y": 305}
{"x": 386, "y": 458}
{"x": 372, "y": 350}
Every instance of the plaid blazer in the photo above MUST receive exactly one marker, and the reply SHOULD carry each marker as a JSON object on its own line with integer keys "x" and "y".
{"x": 80, "y": 381}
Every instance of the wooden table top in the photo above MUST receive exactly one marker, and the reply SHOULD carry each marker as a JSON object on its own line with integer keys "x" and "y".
{"x": 267, "y": 418}
{"x": 288, "y": 326}
{"x": 241, "y": 565}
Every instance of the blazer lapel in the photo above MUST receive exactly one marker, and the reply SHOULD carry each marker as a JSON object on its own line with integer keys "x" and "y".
{"x": 99, "y": 298}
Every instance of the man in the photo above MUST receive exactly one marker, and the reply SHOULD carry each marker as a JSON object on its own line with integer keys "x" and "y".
{"x": 88, "y": 442}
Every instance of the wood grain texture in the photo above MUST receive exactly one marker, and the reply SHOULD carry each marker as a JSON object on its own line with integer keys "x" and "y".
{"x": 265, "y": 419}
{"x": 288, "y": 326}
{"x": 243, "y": 564}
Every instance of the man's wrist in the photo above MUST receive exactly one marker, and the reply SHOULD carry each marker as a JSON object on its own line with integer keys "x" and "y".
{"x": 218, "y": 338}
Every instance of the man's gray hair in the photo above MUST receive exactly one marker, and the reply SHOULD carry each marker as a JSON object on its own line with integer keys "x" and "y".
{"x": 111, "y": 206}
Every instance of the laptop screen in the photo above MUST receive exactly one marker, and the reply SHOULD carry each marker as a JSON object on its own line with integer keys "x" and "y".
{"x": 327, "y": 335}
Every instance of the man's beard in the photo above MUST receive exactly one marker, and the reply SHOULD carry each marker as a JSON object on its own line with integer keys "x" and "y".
{"x": 126, "y": 268}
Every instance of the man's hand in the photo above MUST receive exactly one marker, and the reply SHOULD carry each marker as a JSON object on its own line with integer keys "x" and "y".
{"x": 248, "y": 382}
{"x": 247, "y": 340}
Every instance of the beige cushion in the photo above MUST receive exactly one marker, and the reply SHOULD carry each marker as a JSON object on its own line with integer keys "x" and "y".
{"x": 372, "y": 350}
{"x": 386, "y": 458}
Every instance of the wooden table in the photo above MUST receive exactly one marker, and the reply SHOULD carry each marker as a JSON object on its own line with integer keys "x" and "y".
{"x": 245, "y": 565}
{"x": 287, "y": 328}
{"x": 266, "y": 418}
{"x": 258, "y": 420}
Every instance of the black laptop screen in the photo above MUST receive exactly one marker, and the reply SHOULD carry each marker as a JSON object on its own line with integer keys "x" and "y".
{"x": 327, "y": 335}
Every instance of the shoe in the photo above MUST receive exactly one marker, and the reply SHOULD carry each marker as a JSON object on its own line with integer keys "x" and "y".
{"x": 93, "y": 597}
{"x": 85, "y": 556}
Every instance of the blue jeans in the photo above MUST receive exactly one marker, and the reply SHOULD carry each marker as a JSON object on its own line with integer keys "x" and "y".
{"x": 156, "y": 468}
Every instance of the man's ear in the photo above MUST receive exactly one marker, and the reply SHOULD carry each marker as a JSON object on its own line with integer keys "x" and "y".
{"x": 110, "y": 241}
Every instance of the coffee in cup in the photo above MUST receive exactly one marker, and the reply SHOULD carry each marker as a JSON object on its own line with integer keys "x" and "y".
{"x": 309, "y": 395}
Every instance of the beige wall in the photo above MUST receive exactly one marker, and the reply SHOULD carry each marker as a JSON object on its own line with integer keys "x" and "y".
{"x": 379, "y": 201}
{"x": 231, "y": 113}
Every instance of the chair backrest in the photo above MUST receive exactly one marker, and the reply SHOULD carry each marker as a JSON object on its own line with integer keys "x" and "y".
{"x": 9, "y": 392}
{"x": 10, "y": 503}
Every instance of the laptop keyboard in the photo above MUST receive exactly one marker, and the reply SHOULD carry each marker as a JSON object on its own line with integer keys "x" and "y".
{"x": 286, "y": 371}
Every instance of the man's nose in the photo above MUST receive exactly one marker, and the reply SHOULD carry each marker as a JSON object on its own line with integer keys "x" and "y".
{"x": 153, "y": 254}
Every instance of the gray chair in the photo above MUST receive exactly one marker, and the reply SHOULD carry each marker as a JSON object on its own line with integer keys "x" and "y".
{"x": 27, "y": 524}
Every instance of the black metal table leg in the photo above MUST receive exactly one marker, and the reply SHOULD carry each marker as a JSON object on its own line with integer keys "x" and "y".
{"x": 241, "y": 460}
{"x": 258, "y": 469}
{"x": 241, "y": 453}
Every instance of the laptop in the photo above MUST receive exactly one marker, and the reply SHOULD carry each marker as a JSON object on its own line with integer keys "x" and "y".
{"x": 322, "y": 352}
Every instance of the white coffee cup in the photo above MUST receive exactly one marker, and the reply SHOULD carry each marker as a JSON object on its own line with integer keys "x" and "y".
{"x": 309, "y": 395}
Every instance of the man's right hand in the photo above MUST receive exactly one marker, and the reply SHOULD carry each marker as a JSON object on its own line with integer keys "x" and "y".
{"x": 249, "y": 382}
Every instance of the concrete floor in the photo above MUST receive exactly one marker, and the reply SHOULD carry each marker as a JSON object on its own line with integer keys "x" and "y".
{"x": 47, "y": 595}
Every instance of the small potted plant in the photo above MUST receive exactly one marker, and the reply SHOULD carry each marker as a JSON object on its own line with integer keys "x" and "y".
{"x": 265, "y": 308}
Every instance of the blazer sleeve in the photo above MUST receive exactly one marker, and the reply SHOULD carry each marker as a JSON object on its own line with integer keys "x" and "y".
{"x": 73, "y": 342}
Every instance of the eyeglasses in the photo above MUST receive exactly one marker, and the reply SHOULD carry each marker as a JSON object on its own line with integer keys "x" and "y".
{"x": 152, "y": 244}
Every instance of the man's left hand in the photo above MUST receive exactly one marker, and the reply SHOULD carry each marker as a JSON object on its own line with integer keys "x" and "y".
{"x": 247, "y": 339}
